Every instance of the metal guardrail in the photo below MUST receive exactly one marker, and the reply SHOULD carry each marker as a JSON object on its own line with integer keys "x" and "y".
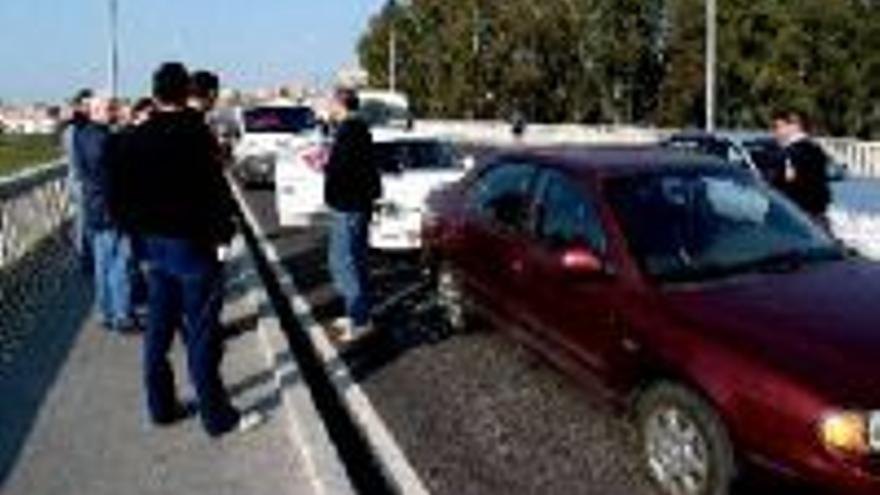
{"x": 33, "y": 204}
{"x": 862, "y": 157}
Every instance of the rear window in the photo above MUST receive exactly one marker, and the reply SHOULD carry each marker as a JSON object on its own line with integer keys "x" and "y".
{"x": 397, "y": 157}
{"x": 287, "y": 120}
{"x": 767, "y": 154}
{"x": 706, "y": 146}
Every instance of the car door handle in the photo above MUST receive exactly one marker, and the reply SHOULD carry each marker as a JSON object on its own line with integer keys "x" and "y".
{"x": 517, "y": 266}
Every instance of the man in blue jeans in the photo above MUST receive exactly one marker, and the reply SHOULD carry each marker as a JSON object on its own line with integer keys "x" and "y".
{"x": 173, "y": 197}
{"x": 79, "y": 117}
{"x": 352, "y": 185}
{"x": 111, "y": 248}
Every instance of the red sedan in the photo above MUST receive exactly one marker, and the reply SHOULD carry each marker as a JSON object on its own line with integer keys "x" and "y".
{"x": 736, "y": 330}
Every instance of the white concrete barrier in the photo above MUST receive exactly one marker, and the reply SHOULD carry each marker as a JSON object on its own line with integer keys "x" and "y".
{"x": 33, "y": 204}
{"x": 862, "y": 157}
{"x": 500, "y": 133}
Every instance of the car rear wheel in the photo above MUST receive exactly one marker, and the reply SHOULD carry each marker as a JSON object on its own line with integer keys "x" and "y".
{"x": 684, "y": 445}
{"x": 451, "y": 298}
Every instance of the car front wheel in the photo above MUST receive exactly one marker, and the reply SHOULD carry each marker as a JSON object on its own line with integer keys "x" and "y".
{"x": 684, "y": 445}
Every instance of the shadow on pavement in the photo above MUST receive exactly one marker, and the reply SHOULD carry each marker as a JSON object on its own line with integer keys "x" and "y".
{"x": 46, "y": 303}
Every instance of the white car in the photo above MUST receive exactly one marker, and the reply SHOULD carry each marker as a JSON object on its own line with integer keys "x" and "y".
{"x": 413, "y": 165}
{"x": 267, "y": 134}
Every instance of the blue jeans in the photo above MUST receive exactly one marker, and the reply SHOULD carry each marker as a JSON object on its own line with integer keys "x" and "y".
{"x": 347, "y": 258}
{"x": 80, "y": 234}
{"x": 185, "y": 284}
{"x": 112, "y": 269}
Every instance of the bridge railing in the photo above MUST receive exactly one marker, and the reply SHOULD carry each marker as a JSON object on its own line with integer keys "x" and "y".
{"x": 862, "y": 157}
{"x": 497, "y": 132}
{"x": 33, "y": 204}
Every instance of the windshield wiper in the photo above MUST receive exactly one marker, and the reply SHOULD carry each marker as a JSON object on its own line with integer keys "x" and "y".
{"x": 792, "y": 260}
{"x": 783, "y": 262}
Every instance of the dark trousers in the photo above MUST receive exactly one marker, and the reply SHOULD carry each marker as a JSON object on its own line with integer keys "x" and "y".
{"x": 185, "y": 284}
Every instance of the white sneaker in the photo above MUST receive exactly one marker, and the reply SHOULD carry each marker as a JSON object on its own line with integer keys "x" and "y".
{"x": 250, "y": 421}
{"x": 340, "y": 330}
{"x": 356, "y": 334}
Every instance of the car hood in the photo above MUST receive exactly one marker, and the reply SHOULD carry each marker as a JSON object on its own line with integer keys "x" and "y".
{"x": 411, "y": 189}
{"x": 820, "y": 325}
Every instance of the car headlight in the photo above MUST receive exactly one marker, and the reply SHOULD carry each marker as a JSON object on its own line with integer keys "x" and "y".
{"x": 851, "y": 432}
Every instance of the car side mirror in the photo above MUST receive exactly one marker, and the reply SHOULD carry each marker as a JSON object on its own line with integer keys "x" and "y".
{"x": 581, "y": 262}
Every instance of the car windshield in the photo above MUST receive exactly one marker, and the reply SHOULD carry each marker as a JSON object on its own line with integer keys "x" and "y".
{"x": 702, "y": 224}
{"x": 400, "y": 156}
{"x": 377, "y": 112}
{"x": 286, "y": 120}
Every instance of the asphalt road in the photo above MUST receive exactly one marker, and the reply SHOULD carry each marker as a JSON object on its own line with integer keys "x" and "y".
{"x": 475, "y": 413}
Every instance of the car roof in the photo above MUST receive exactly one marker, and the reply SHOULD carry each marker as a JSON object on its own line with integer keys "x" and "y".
{"x": 394, "y": 135}
{"x": 606, "y": 161}
{"x": 738, "y": 136}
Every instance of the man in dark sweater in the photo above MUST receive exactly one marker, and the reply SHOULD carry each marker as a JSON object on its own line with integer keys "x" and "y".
{"x": 173, "y": 197}
{"x": 805, "y": 179}
{"x": 352, "y": 185}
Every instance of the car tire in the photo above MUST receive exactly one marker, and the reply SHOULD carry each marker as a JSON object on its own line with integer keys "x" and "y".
{"x": 684, "y": 446}
{"x": 451, "y": 299}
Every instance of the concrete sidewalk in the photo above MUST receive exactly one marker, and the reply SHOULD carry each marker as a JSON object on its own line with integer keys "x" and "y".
{"x": 90, "y": 435}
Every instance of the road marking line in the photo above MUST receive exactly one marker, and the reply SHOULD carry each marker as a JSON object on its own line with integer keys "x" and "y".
{"x": 306, "y": 430}
{"x": 393, "y": 461}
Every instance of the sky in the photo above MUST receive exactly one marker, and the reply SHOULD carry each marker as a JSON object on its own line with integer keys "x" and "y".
{"x": 49, "y": 48}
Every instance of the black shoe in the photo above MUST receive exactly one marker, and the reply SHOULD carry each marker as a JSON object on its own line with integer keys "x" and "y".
{"x": 179, "y": 412}
{"x": 129, "y": 330}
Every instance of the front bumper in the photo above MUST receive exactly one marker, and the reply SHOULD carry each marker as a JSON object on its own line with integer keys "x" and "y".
{"x": 396, "y": 234}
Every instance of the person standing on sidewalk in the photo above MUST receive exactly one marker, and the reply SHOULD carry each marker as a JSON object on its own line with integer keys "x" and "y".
{"x": 805, "y": 177}
{"x": 204, "y": 92}
{"x": 79, "y": 117}
{"x": 352, "y": 185}
{"x": 111, "y": 248}
{"x": 138, "y": 114}
{"x": 177, "y": 202}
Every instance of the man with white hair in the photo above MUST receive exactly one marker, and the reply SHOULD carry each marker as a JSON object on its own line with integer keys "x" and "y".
{"x": 79, "y": 117}
{"x": 111, "y": 249}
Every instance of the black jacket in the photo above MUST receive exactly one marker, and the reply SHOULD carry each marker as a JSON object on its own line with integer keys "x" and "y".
{"x": 810, "y": 188}
{"x": 352, "y": 181}
{"x": 169, "y": 182}
{"x": 92, "y": 145}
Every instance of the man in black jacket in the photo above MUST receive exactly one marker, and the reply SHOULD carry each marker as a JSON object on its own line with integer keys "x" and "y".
{"x": 805, "y": 179}
{"x": 352, "y": 185}
{"x": 173, "y": 197}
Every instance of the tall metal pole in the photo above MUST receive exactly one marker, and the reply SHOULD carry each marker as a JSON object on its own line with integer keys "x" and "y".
{"x": 711, "y": 62}
{"x": 113, "y": 51}
{"x": 392, "y": 60}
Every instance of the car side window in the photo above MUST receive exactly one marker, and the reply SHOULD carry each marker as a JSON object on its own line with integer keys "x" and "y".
{"x": 502, "y": 196}
{"x": 566, "y": 217}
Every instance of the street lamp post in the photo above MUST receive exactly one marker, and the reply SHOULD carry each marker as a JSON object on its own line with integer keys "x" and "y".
{"x": 391, "y": 7}
{"x": 113, "y": 50}
{"x": 711, "y": 62}
{"x": 392, "y": 60}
